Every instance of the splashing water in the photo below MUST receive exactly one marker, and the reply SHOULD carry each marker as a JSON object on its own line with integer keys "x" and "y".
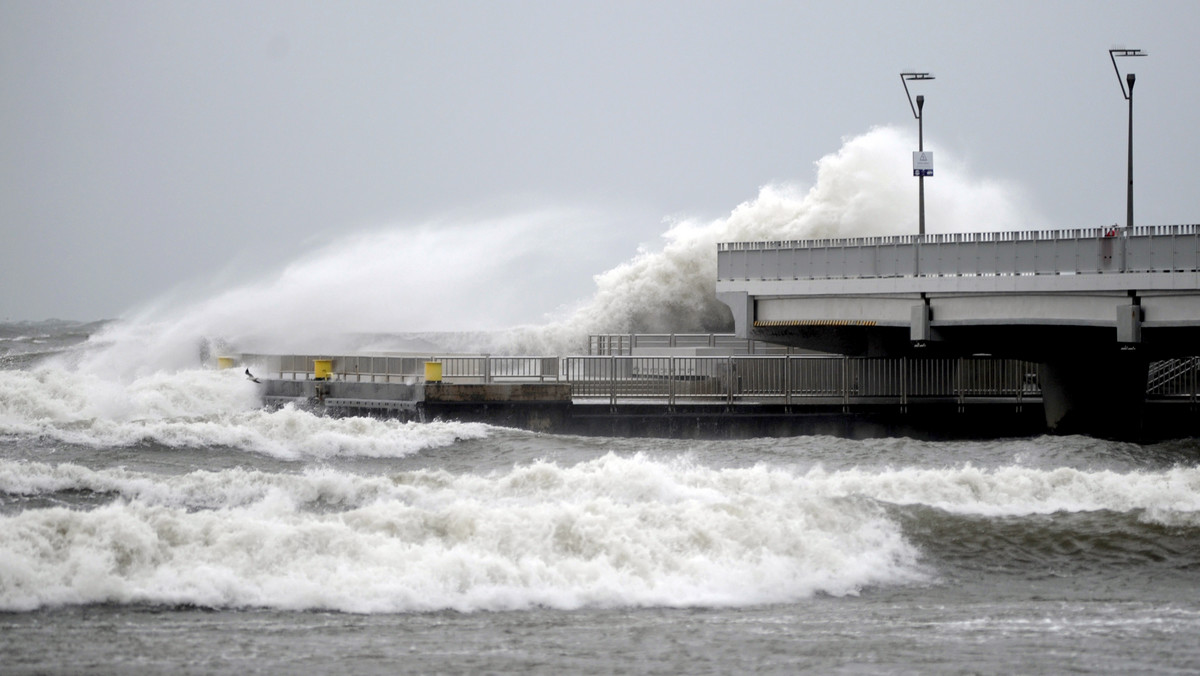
{"x": 485, "y": 276}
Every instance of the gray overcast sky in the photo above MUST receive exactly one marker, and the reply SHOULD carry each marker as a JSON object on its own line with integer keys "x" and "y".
{"x": 146, "y": 145}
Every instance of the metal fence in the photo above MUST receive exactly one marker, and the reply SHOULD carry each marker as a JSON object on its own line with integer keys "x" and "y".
{"x": 1174, "y": 378}
{"x": 795, "y": 378}
{"x": 628, "y": 343}
{"x": 387, "y": 369}
{"x": 1157, "y": 248}
{"x": 732, "y": 379}
{"x": 488, "y": 369}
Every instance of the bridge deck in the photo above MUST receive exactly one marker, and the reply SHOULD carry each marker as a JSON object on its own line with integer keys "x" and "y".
{"x": 1017, "y": 294}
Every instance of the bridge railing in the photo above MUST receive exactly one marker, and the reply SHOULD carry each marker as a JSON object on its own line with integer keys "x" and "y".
{"x": 628, "y": 343}
{"x": 389, "y": 369}
{"x": 794, "y": 378}
{"x": 1057, "y": 252}
{"x": 489, "y": 369}
{"x": 1174, "y": 379}
{"x": 731, "y": 379}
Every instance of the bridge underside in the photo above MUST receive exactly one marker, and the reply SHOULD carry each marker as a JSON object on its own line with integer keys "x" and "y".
{"x": 1094, "y": 348}
{"x": 1092, "y": 305}
{"x": 1032, "y": 326}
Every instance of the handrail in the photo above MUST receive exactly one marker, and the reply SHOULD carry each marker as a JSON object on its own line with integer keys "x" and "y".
{"x": 394, "y": 368}
{"x": 1174, "y": 377}
{"x": 734, "y": 379}
{"x": 968, "y": 237}
{"x": 1174, "y": 248}
{"x": 793, "y": 378}
{"x": 627, "y": 343}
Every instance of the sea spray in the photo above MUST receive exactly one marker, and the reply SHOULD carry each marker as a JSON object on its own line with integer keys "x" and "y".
{"x": 200, "y": 409}
{"x": 862, "y": 190}
{"x": 483, "y": 280}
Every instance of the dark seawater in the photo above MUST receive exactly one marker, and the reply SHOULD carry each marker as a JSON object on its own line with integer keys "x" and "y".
{"x": 164, "y": 524}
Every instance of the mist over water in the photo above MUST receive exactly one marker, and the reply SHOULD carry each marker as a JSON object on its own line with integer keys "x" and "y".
{"x": 518, "y": 284}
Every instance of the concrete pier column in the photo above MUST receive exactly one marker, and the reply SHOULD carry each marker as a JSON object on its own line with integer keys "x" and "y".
{"x": 1101, "y": 395}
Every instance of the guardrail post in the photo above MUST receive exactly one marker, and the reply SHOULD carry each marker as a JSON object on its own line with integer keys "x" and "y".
{"x": 787, "y": 381}
{"x": 729, "y": 386}
{"x": 959, "y": 383}
{"x": 1195, "y": 363}
{"x": 612, "y": 381}
{"x": 845, "y": 384}
{"x": 671, "y": 385}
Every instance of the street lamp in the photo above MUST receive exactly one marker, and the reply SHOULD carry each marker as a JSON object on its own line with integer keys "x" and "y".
{"x": 922, "y": 164}
{"x": 1128, "y": 94}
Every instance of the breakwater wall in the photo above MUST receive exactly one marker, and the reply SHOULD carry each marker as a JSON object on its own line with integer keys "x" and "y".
{"x": 710, "y": 396}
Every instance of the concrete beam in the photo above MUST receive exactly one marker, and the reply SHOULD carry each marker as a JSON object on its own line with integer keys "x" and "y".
{"x": 1064, "y": 283}
{"x": 743, "y": 311}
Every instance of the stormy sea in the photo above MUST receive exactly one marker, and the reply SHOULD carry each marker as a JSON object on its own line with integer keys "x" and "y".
{"x": 167, "y": 523}
{"x": 155, "y": 518}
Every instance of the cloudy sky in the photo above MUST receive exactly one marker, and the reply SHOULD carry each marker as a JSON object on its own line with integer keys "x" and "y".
{"x": 152, "y": 146}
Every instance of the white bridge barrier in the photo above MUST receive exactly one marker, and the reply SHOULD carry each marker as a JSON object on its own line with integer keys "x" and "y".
{"x": 1152, "y": 248}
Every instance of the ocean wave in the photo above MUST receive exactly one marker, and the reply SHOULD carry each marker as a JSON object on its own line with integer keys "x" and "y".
{"x": 1056, "y": 545}
{"x": 200, "y": 409}
{"x": 1169, "y": 494}
{"x": 615, "y": 531}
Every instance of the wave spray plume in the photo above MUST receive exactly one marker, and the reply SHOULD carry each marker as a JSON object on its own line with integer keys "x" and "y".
{"x": 491, "y": 277}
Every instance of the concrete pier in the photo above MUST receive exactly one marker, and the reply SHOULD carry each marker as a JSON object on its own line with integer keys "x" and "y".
{"x": 549, "y": 407}
{"x": 756, "y": 395}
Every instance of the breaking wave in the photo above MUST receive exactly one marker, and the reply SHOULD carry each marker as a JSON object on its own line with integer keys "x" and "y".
{"x": 199, "y": 409}
{"x": 612, "y": 531}
{"x": 495, "y": 285}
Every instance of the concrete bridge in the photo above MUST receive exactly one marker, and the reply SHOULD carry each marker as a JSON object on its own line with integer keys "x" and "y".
{"x": 1093, "y": 306}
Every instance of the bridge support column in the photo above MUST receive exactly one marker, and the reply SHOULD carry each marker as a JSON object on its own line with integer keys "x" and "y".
{"x": 742, "y": 306}
{"x": 1097, "y": 394}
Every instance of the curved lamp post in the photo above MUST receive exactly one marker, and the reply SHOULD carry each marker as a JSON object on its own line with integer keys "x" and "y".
{"x": 920, "y": 173}
{"x": 1128, "y": 94}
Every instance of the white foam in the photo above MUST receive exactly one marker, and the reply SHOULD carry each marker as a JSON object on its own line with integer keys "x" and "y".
{"x": 199, "y": 409}
{"x": 1016, "y": 491}
{"x": 610, "y": 532}
{"x": 491, "y": 276}
{"x": 614, "y": 531}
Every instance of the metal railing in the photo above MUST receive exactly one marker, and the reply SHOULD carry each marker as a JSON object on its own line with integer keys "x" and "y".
{"x": 797, "y": 378}
{"x": 785, "y": 379}
{"x": 409, "y": 368}
{"x": 488, "y": 369}
{"x": 627, "y": 343}
{"x": 1174, "y": 378}
{"x": 1158, "y": 248}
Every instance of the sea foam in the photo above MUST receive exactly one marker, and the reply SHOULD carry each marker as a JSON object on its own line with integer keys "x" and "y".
{"x": 604, "y": 533}
{"x": 199, "y": 409}
{"x": 614, "y": 531}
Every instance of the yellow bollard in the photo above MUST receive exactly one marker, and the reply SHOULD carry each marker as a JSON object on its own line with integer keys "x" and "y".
{"x": 322, "y": 369}
{"x": 433, "y": 372}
